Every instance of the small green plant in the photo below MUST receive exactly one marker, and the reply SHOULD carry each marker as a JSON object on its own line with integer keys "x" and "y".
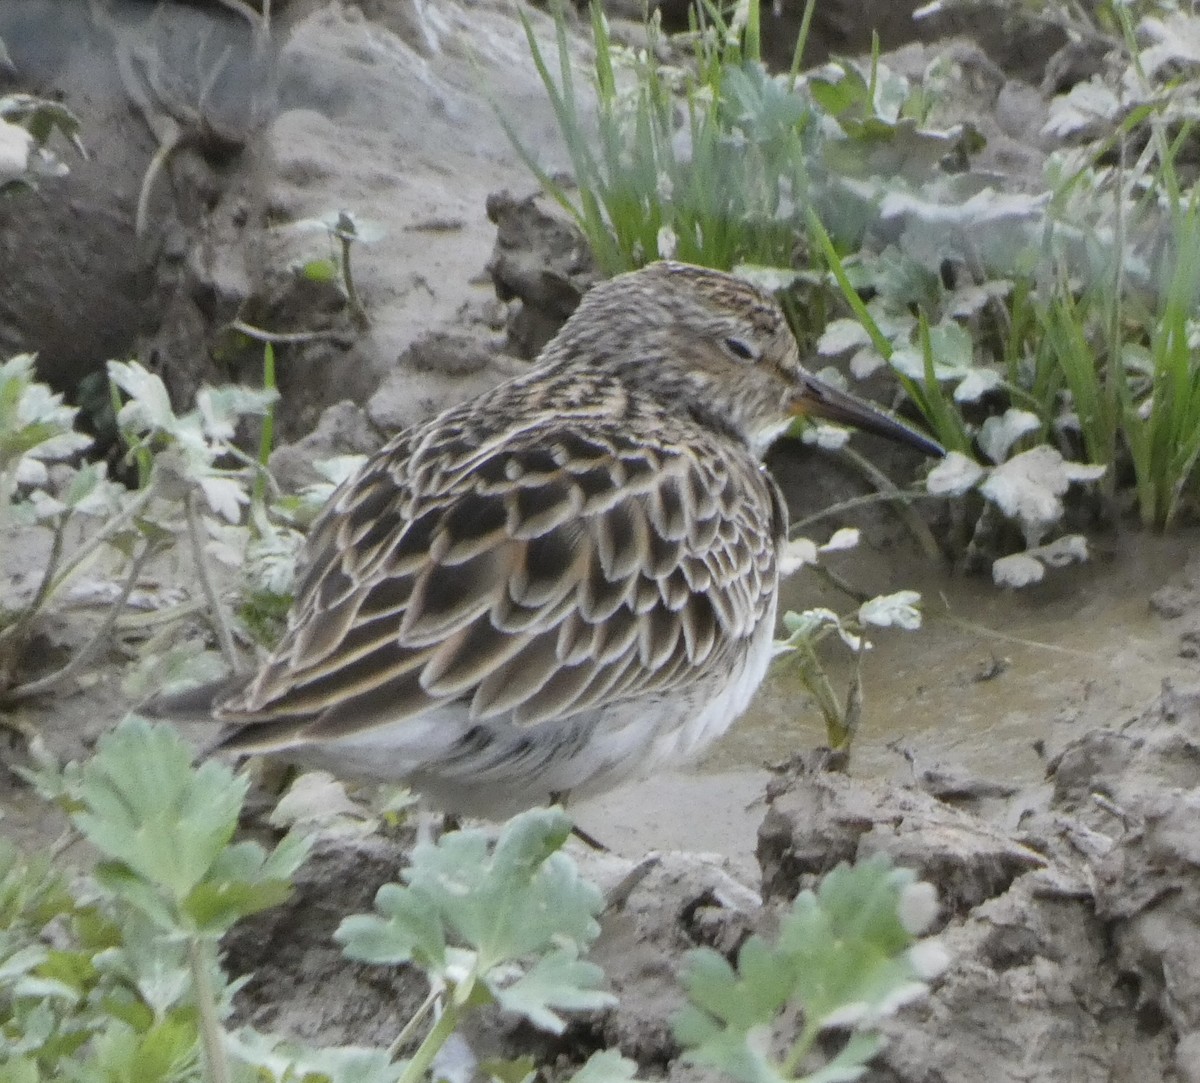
{"x": 504, "y": 922}
{"x": 807, "y": 630}
{"x": 847, "y": 956}
{"x": 37, "y": 433}
{"x": 129, "y": 980}
{"x": 115, "y": 974}
{"x": 27, "y": 124}
{"x": 343, "y": 229}
{"x": 193, "y": 482}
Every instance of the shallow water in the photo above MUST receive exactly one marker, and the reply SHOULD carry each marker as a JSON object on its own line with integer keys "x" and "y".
{"x": 990, "y": 674}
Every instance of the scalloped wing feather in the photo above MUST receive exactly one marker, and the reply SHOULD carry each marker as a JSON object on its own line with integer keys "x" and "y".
{"x": 546, "y": 574}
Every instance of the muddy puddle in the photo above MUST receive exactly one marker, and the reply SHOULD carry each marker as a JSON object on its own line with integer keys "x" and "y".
{"x": 990, "y": 677}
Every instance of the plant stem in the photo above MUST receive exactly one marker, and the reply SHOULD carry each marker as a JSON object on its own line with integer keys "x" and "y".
{"x": 799, "y": 1050}
{"x": 266, "y": 440}
{"x": 261, "y": 335}
{"x": 212, "y": 1036}
{"x": 52, "y": 562}
{"x": 816, "y": 680}
{"x": 111, "y": 528}
{"x": 16, "y": 631}
{"x": 406, "y": 1032}
{"x": 84, "y": 656}
{"x": 356, "y": 309}
{"x": 216, "y": 608}
{"x": 414, "y": 1071}
{"x": 916, "y": 525}
{"x": 866, "y": 500}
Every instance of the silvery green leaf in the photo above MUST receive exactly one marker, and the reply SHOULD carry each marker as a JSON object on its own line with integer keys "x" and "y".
{"x": 895, "y": 324}
{"x": 21, "y": 962}
{"x": 146, "y": 807}
{"x": 970, "y": 300}
{"x": 174, "y": 670}
{"x": 825, "y": 436}
{"x": 954, "y": 475}
{"x": 979, "y": 382}
{"x": 271, "y": 559}
{"x": 16, "y": 146}
{"x": 892, "y": 610}
{"x": 845, "y": 538}
{"x": 473, "y": 912}
{"x": 149, "y": 405}
{"x": 1176, "y": 40}
{"x": 62, "y": 446}
{"x": 1086, "y": 105}
{"x": 984, "y": 208}
{"x": 1017, "y": 570}
{"x": 1028, "y": 488}
{"x": 274, "y": 1058}
{"x": 929, "y": 958}
{"x": 227, "y": 542}
{"x": 224, "y": 496}
{"x": 221, "y": 408}
{"x": 45, "y": 506}
{"x": 606, "y": 1066}
{"x": 1083, "y": 471}
{"x": 917, "y": 907}
{"x": 841, "y": 335}
{"x": 833, "y": 377}
{"x": 842, "y": 958}
{"x": 1021, "y": 569}
{"x": 91, "y": 493}
{"x": 998, "y": 434}
{"x": 796, "y": 554}
{"x": 338, "y": 468}
{"x": 316, "y": 798}
{"x": 31, "y": 472}
{"x": 851, "y": 1062}
{"x": 865, "y": 362}
{"x": 1069, "y": 549}
{"x": 771, "y": 279}
{"x": 558, "y": 980}
{"x": 952, "y": 351}
{"x": 803, "y": 625}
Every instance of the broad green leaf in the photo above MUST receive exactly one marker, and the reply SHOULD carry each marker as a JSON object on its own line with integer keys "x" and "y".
{"x": 148, "y": 808}
{"x": 842, "y": 958}
{"x": 149, "y": 405}
{"x": 606, "y": 1066}
{"x": 274, "y": 1058}
{"x": 558, "y": 980}
{"x": 410, "y": 928}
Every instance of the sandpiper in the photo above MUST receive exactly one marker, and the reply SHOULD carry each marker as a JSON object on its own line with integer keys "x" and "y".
{"x": 565, "y": 582}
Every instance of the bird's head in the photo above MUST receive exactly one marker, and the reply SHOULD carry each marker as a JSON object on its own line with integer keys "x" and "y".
{"x": 717, "y": 341}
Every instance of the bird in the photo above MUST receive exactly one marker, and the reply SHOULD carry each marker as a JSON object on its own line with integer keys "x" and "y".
{"x": 566, "y": 582}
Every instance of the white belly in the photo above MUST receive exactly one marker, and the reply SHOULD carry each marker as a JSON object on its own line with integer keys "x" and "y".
{"x": 499, "y": 769}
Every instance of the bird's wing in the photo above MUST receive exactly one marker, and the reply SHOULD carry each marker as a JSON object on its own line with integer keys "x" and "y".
{"x": 541, "y": 575}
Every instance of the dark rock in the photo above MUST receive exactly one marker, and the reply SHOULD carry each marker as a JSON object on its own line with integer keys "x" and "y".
{"x": 541, "y": 261}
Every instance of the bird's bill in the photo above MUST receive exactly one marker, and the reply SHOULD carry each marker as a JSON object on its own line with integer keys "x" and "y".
{"x": 821, "y": 400}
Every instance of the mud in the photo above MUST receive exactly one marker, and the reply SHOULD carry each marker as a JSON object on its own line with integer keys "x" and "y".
{"x": 1036, "y": 755}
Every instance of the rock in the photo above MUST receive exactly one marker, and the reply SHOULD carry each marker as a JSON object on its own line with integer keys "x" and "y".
{"x": 439, "y": 370}
{"x": 1171, "y": 602}
{"x": 344, "y": 429}
{"x": 541, "y": 261}
{"x": 290, "y": 947}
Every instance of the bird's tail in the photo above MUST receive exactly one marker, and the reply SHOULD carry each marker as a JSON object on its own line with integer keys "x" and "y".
{"x": 195, "y": 704}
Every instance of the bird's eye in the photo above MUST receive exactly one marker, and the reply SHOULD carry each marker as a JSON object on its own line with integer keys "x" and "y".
{"x": 740, "y": 348}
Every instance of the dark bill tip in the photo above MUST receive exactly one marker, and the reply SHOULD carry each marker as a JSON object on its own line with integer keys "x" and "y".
{"x": 819, "y": 399}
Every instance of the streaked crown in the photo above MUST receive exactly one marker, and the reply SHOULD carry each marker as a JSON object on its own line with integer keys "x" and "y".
{"x": 693, "y": 336}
